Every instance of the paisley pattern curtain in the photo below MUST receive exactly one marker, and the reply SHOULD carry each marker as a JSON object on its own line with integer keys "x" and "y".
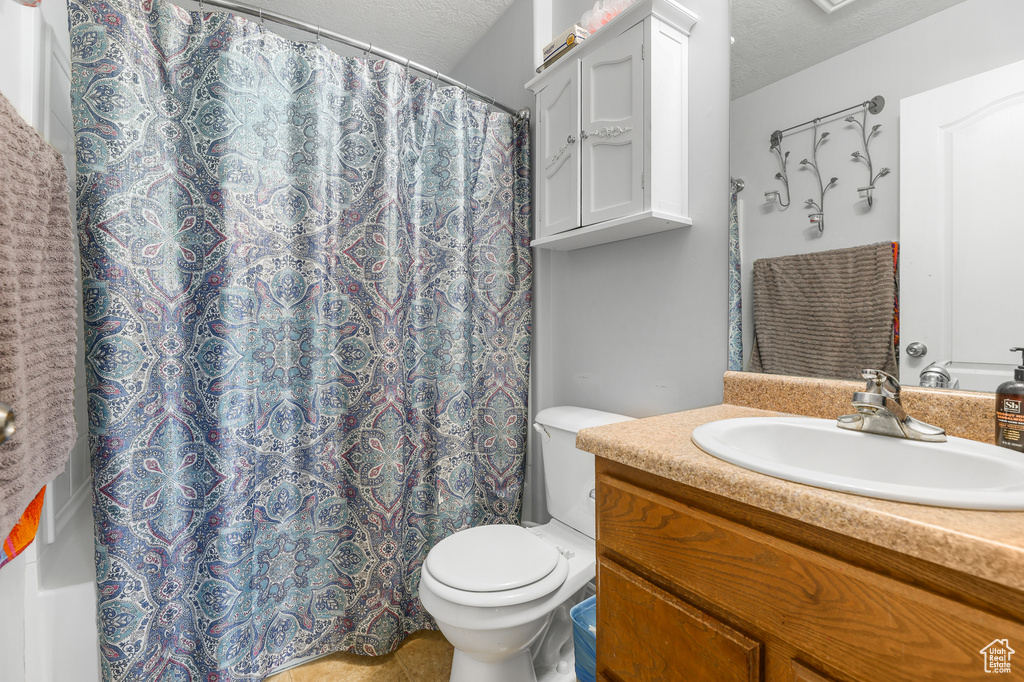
{"x": 735, "y": 300}
{"x": 307, "y": 308}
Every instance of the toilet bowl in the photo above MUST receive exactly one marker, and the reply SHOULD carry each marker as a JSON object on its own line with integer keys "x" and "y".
{"x": 493, "y": 589}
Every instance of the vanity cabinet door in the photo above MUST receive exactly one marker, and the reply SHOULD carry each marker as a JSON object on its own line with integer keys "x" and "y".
{"x": 558, "y": 187}
{"x": 647, "y": 635}
{"x": 613, "y": 128}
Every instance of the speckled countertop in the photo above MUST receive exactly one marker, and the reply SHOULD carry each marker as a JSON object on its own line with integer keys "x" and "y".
{"x": 988, "y": 545}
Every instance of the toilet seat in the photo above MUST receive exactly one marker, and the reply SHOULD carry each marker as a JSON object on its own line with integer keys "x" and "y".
{"x": 466, "y": 557}
{"x": 491, "y": 559}
{"x": 544, "y": 587}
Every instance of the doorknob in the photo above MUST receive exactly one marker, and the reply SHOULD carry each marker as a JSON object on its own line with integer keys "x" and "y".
{"x": 7, "y": 425}
{"x": 917, "y": 349}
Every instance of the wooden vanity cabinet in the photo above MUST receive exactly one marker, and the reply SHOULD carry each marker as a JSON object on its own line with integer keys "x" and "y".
{"x": 695, "y": 587}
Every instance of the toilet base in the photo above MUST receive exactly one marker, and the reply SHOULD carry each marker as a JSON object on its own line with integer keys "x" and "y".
{"x": 519, "y": 668}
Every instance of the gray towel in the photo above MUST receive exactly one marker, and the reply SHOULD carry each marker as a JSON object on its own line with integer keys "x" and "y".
{"x": 828, "y": 314}
{"x": 37, "y": 313}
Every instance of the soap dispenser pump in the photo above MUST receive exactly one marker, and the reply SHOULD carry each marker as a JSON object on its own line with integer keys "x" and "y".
{"x": 1010, "y": 410}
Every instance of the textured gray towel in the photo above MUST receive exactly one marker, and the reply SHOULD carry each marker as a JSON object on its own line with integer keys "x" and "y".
{"x": 37, "y": 313}
{"x": 828, "y": 314}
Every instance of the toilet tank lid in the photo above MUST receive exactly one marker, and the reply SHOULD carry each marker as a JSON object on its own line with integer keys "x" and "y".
{"x": 573, "y": 419}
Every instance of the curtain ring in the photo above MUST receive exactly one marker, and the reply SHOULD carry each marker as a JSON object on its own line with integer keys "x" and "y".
{"x": 318, "y": 34}
{"x": 200, "y": 5}
{"x": 407, "y": 61}
{"x": 366, "y": 52}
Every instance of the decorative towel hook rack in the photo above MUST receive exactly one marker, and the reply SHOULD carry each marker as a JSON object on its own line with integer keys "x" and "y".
{"x": 871, "y": 106}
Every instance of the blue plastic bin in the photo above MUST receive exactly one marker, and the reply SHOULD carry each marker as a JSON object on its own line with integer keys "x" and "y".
{"x": 584, "y": 616}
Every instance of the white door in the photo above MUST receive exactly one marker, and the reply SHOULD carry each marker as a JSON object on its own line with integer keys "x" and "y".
{"x": 613, "y": 126}
{"x": 961, "y": 218}
{"x": 558, "y": 192}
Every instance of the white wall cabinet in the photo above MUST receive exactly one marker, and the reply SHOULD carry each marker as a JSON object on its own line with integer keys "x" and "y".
{"x": 611, "y": 159}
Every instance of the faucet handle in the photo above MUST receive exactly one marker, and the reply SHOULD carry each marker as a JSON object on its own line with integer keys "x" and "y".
{"x": 881, "y": 382}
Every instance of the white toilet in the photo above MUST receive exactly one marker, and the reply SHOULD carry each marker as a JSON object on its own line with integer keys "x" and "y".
{"x": 493, "y": 589}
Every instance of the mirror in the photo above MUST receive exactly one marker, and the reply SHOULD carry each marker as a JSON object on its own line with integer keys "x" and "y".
{"x": 794, "y": 62}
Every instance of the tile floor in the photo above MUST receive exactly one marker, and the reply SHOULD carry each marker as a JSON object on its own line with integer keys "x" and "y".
{"x": 425, "y": 656}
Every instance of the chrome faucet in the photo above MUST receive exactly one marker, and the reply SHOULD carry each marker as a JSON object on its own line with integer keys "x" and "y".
{"x": 879, "y": 411}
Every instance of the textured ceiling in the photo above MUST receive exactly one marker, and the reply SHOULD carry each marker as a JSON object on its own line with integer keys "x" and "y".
{"x": 777, "y": 38}
{"x": 435, "y": 33}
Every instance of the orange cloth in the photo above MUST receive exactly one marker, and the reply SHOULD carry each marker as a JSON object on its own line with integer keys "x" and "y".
{"x": 24, "y": 531}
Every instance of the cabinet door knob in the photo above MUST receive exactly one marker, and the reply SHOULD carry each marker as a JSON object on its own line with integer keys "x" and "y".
{"x": 570, "y": 140}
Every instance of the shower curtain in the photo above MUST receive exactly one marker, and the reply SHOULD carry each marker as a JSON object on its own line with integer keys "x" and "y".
{"x": 307, "y": 312}
{"x": 735, "y": 300}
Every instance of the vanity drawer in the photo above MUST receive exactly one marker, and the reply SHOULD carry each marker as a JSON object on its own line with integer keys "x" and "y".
{"x": 853, "y": 621}
{"x": 644, "y": 634}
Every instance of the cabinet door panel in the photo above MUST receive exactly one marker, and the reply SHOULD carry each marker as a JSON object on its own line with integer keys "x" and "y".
{"x": 645, "y": 634}
{"x": 559, "y": 158}
{"x": 613, "y": 124}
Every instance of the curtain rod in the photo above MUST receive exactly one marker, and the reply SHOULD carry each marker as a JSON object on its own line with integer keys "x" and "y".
{"x": 874, "y": 106}
{"x": 321, "y": 32}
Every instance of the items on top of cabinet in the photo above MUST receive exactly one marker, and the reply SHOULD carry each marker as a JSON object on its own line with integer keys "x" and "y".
{"x": 612, "y": 120}
{"x": 603, "y": 12}
{"x": 560, "y": 46}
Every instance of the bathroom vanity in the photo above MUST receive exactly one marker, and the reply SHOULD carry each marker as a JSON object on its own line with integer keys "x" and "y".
{"x": 707, "y": 571}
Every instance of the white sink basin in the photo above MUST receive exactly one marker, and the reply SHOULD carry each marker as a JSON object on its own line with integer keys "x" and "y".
{"x": 959, "y": 473}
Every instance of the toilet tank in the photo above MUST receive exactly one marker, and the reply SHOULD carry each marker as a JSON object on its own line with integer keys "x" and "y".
{"x": 568, "y": 471}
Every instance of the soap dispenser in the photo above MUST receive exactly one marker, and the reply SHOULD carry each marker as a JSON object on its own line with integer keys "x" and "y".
{"x": 1010, "y": 410}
